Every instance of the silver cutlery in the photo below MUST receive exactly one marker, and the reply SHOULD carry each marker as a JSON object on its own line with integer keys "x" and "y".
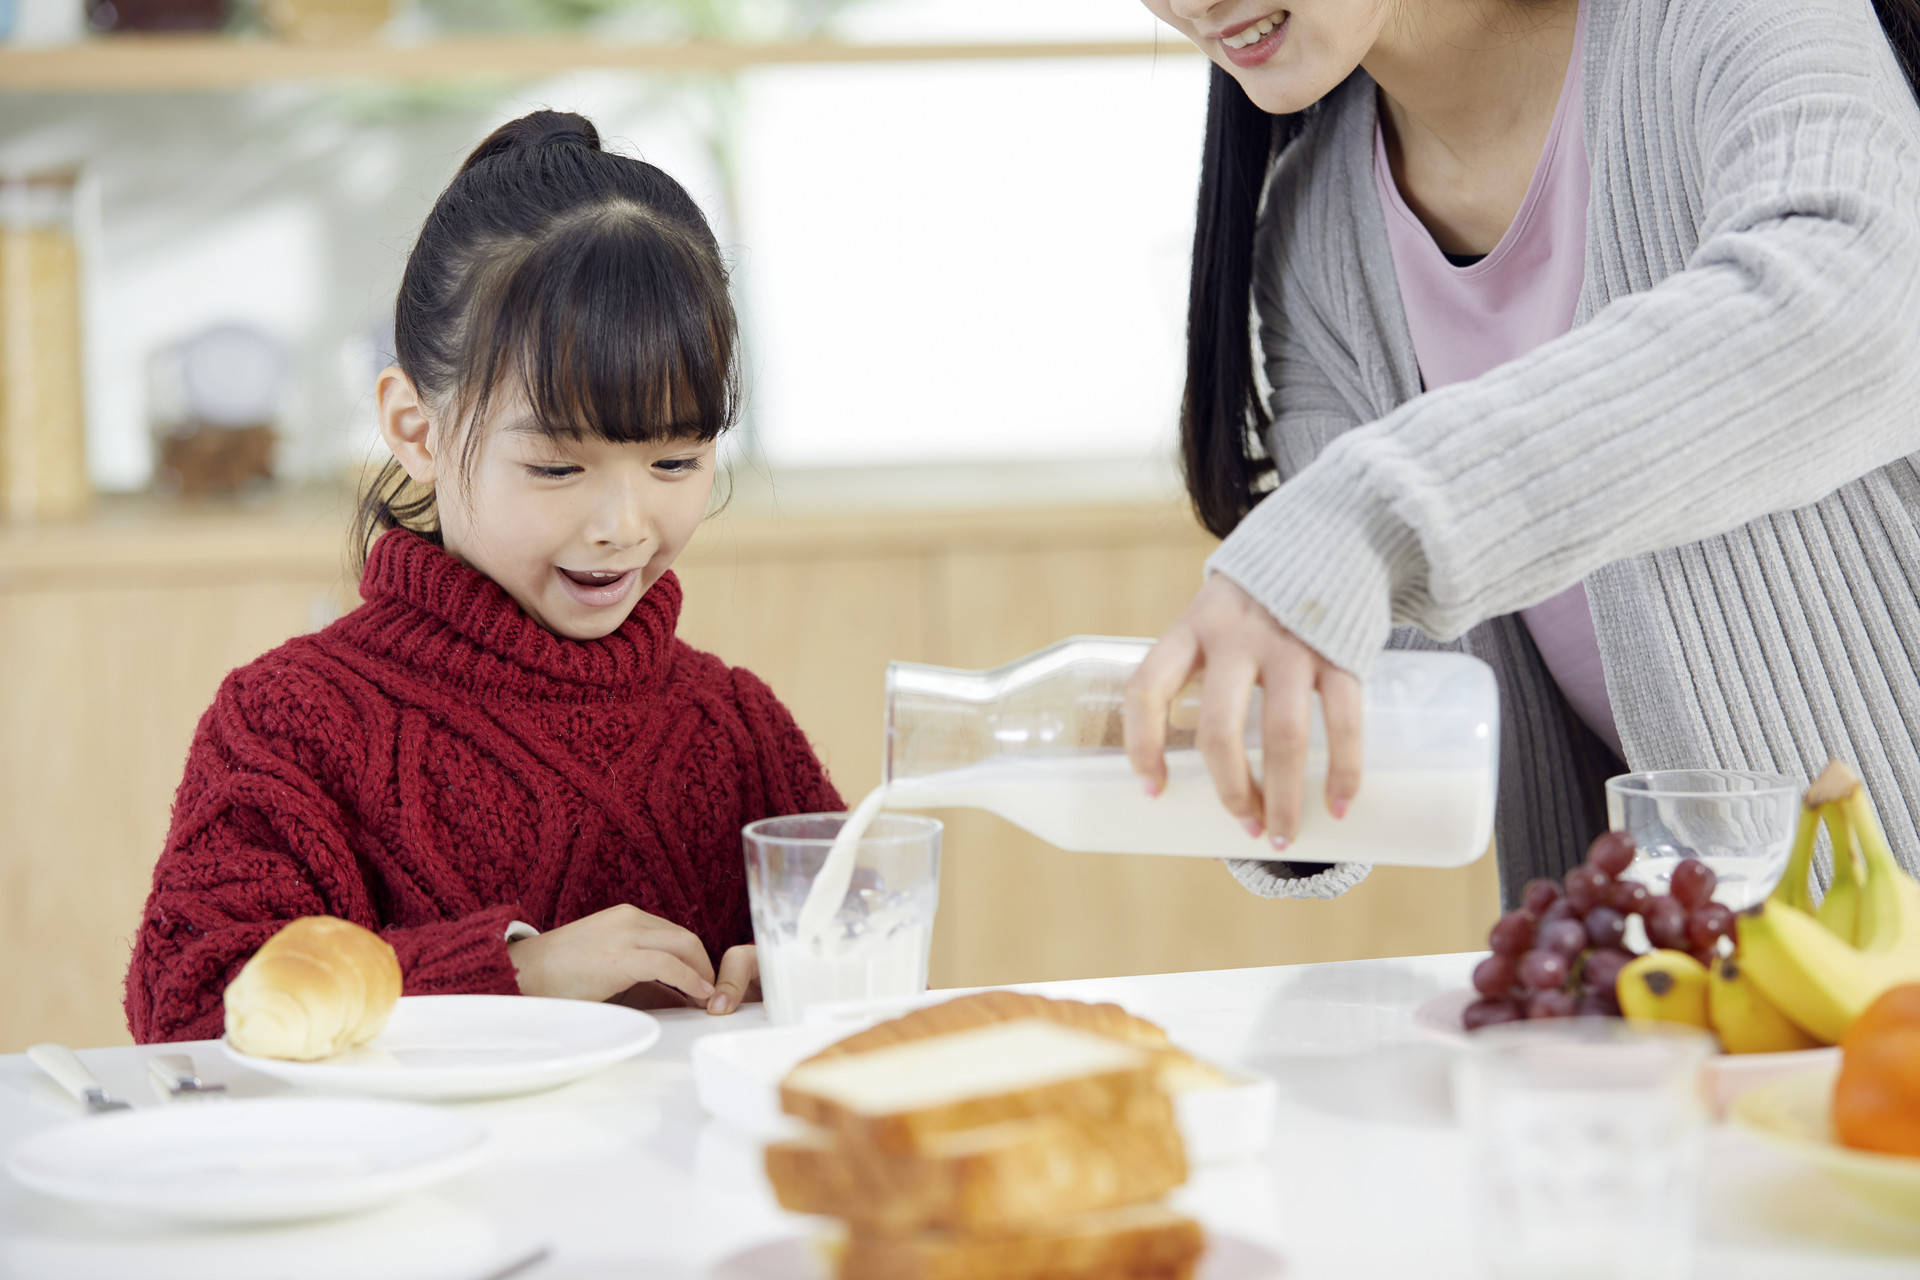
{"x": 70, "y": 1074}
{"x": 174, "y": 1072}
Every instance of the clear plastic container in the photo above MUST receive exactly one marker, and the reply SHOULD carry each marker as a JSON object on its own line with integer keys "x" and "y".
{"x": 43, "y": 446}
{"x": 1041, "y": 742}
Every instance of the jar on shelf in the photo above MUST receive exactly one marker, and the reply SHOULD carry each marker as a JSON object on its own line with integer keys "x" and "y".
{"x": 43, "y": 444}
{"x": 213, "y": 399}
{"x": 158, "y": 15}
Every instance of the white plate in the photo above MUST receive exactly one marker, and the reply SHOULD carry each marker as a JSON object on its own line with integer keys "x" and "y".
{"x": 251, "y": 1159}
{"x": 737, "y": 1076}
{"x": 1725, "y": 1077}
{"x": 446, "y": 1047}
{"x": 1228, "y": 1257}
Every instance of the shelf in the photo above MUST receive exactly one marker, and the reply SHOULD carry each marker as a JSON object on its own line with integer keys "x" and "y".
{"x": 122, "y": 64}
{"x": 798, "y": 515}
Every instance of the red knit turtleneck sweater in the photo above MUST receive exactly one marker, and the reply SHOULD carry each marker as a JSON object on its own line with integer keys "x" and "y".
{"x": 436, "y": 764}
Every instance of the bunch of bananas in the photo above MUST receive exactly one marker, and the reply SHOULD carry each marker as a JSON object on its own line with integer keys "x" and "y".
{"x": 1799, "y": 974}
{"x": 1823, "y": 967}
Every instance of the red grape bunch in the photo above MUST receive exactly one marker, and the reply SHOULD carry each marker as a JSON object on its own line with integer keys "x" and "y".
{"x": 1559, "y": 953}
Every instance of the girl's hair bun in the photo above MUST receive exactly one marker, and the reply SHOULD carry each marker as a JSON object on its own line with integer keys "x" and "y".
{"x": 535, "y": 130}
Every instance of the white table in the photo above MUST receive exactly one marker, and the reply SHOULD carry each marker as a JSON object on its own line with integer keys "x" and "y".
{"x": 623, "y": 1175}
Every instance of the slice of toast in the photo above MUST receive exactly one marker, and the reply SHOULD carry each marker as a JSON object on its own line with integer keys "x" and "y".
{"x": 1179, "y": 1070}
{"x": 994, "y": 1177}
{"x": 1144, "y": 1242}
{"x": 898, "y": 1099}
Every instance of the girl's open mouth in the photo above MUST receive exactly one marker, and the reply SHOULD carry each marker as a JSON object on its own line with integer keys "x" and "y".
{"x": 597, "y": 588}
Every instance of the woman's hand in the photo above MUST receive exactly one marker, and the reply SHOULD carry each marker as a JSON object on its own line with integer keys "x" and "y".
{"x": 1234, "y": 644}
{"x": 620, "y": 952}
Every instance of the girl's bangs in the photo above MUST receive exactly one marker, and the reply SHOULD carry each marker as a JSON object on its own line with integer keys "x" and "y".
{"x": 618, "y": 329}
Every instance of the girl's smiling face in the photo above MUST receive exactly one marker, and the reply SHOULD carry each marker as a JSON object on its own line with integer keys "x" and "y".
{"x": 574, "y": 528}
{"x": 1287, "y": 57}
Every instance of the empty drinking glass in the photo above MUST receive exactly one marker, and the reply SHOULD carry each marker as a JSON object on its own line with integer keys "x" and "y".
{"x": 1739, "y": 823}
{"x": 1585, "y": 1140}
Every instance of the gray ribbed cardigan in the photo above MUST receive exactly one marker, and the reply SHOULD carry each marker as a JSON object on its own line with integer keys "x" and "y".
{"x": 1721, "y": 448}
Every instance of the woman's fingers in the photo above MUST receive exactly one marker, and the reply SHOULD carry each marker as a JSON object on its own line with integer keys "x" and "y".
{"x": 1286, "y": 730}
{"x": 1150, "y": 692}
{"x": 1343, "y": 707}
{"x": 738, "y": 969}
{"x": 1222, "y": 737}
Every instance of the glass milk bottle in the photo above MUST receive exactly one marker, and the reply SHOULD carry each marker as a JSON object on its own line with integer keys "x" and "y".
{"x": 1040, "y": 742}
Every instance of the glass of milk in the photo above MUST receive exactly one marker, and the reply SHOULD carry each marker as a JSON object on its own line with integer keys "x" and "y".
{"x": 1739, "y": 823}
{"x": 875, "y": 944}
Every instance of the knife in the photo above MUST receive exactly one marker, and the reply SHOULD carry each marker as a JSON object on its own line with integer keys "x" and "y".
{"x": 174, "y": 1072}
{"x": 70, "y": 1074}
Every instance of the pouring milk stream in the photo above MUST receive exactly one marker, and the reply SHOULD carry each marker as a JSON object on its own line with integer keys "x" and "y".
{"x": 1040, "y": 742}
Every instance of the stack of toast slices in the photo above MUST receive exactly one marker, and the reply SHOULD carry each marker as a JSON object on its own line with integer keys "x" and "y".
{"x": 1015, "y": 1146}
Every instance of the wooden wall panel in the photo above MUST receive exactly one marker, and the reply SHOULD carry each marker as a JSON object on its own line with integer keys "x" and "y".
{"x": 101, "y": 694}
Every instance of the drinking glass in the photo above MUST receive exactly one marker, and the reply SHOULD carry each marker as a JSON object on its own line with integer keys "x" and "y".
{"x": 877, "y": 943}
{"x": 1740, "y": 824}
{"x": 1586, "y": 1140}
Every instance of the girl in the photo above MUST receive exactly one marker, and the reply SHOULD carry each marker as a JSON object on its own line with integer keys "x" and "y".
{"x": 504, "y": 761}
{"x": 1590, "y": 327}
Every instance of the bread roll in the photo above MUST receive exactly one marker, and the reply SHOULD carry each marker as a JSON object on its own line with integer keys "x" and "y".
{"x": 318, "y": 986}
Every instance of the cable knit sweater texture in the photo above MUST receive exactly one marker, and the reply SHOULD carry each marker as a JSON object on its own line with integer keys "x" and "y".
{"x": 436, "y": 764}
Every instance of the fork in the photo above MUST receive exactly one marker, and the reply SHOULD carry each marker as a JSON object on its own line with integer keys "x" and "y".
{"x": 174, "y": 1072}
{"x": 72, "y": 1075}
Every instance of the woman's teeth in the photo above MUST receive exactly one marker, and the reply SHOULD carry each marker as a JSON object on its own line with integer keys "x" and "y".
{"x": 1255, "y": 33}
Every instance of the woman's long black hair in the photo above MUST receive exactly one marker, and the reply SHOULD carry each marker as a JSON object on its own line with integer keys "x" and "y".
{"x": 590, "y": 281}
{"x": 1223, "y": 423}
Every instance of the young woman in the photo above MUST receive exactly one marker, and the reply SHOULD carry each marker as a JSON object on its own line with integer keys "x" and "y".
{"x": 1592, "y": 329}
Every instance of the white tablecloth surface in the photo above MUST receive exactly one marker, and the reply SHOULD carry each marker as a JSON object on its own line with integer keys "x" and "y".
{"x": 623, "y": 1175}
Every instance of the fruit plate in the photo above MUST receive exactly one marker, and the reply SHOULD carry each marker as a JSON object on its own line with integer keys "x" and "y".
{"x": 737, "y": 1076}
{"x": 1795, "y": 1114}
{"x": 1726, "y": 1076}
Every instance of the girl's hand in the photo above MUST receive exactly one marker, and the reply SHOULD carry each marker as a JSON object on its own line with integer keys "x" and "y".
{"x": 1234, "y": 644}
{"x": 621, "y": 952}
{"x": 739, "y": 979}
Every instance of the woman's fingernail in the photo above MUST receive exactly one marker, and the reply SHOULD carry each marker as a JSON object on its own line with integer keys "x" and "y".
{"x": 1151, "y": 786}
{"x": 1280, "y": 843}
{"x": 721, "y": 1003}
{"x": 1338, "y": 809}
{"x": 1253, "y": 827}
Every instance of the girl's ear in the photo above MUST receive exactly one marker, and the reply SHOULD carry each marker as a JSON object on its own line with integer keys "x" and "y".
{"x": 404, "y": 425}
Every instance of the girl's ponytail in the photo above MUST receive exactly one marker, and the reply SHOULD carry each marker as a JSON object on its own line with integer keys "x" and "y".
{"x": 536, "y": 129}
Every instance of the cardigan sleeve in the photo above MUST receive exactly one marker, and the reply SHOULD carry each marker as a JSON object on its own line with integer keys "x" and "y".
{"x": 1778, "y": 365}
{"x": 257, "y": 840}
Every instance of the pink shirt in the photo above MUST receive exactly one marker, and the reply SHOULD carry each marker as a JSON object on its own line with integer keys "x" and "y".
{"x": 1466, "y": 320}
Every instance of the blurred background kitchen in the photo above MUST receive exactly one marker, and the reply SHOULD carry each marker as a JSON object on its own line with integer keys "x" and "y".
{"x": 959, "y": 232}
